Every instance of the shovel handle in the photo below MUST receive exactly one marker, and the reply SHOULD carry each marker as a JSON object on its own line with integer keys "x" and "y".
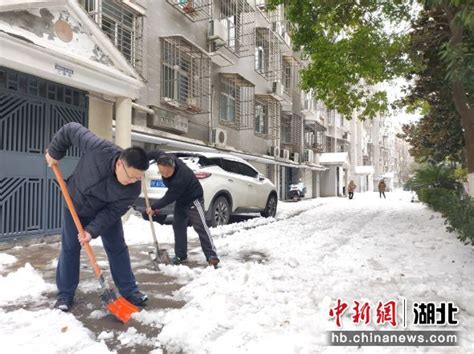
{"x": 77, "y": 222}
{"x": 150, "y": 219}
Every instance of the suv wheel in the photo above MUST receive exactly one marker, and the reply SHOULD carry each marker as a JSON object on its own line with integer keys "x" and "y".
{"x": 220, "y": 212}
{"x": 271, "y": 207}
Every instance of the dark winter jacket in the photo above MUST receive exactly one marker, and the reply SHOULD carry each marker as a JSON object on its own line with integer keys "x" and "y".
{"x": 183, "y": 186}
{"x": 382, "y": 186}
{"x": 93, "y": 186}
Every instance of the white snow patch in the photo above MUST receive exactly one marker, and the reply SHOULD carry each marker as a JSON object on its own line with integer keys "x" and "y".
{"x": 25, "y": 284}
{"x": 105, "y": 335}
{"x": 97, "y": 314}
{"x": 131, "y": 337}
{"x": 46, "y": 331}
{"x": 6, "y": 260}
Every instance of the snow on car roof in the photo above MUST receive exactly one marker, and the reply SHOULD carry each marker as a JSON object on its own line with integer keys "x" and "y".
{"x": 211, "y": 155}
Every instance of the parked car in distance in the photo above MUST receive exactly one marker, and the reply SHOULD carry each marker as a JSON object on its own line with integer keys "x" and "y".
{"x": 231, "y": 186}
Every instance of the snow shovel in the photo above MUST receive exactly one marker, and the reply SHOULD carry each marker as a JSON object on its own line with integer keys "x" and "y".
{"x": 158, "y": 256}
{"x": 117, "y": 306}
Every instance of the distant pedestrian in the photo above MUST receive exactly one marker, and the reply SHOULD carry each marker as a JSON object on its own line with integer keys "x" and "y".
{"x": 382, "y": 187}
{"x": 350, "y": 188}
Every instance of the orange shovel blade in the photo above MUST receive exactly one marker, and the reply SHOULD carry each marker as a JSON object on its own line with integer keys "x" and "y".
{"x": 122, "y": 309}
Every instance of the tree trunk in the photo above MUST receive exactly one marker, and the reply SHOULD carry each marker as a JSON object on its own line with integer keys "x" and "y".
{"x": 467, "y": 121}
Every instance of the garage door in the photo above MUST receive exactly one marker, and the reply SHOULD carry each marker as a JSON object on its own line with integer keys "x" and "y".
{"x": 31, "y": 111}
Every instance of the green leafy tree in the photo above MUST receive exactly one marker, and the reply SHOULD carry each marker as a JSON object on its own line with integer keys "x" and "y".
{"x": 458, "y": 55}
{"x": 351, "y": 51}
{"x": 438, "y": 135}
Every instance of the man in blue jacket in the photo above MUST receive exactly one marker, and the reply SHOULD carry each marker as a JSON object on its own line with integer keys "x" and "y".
{"x": 184, "y": 189}
{"x": 103, "y": 186}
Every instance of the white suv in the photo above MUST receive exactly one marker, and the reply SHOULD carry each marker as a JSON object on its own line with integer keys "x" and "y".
{"x": 230, "y": 184}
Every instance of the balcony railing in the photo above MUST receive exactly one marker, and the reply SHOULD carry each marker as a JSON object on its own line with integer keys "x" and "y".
{"x": 195, "y": 10}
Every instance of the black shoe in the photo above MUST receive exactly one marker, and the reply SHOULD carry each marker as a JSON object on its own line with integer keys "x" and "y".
{"x": 213, "y": 261}
{"x": 63, "y": 305}
{"x": 137, "y": 298}
{"x": 178, "y": 260}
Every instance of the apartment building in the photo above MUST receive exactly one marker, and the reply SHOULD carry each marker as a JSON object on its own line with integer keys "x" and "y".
{"x": 198, "y": 75}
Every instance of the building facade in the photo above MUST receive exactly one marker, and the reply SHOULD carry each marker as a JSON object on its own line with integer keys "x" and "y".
{"x": 189, "y": 75}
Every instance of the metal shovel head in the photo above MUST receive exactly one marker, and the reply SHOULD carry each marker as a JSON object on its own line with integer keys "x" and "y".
{"x": 163, "y": 258}
{"x": 122, "y": 309}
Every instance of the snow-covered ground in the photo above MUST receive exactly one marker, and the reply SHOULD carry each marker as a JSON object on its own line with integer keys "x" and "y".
{"x": 279, "y": 279}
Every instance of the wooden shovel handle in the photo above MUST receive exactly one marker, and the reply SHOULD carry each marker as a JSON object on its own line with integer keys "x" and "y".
{"x": 77, "y": 222}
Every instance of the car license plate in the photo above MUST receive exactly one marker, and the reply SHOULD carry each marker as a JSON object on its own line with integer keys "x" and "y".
{"x": 157, "y": 183}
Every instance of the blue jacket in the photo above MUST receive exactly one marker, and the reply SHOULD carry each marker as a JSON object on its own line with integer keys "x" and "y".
{"x": 93, "y": 185}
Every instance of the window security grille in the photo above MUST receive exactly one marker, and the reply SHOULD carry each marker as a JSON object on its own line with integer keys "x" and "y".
{"x": 195, "y": 10}
{"x": 285, "y": 134}
{"x": 297, "y": 132}
{"x": 272, "y": 16}
{"x": 290, "y": 74}
{"x": 268, "y": 54}
{"x": 315, "y": 137}
{"x": 240, "y": 18}
{"x": 185, "y": 75}
{"x": 267, "y": 116}
{"x": 122, "y": 25}
{"x": 236, "y": 101}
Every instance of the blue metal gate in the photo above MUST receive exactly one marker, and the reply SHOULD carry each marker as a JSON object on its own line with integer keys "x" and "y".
{"x": 31, "y": 111}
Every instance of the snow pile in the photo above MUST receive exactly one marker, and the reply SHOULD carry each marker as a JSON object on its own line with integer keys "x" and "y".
{"x": 365, "y": 249}
{"x": 46, "y": 331}
{"x": 6, "y": 260}
{"x": 23, "y": 285}
{"x": 131, "y": 337}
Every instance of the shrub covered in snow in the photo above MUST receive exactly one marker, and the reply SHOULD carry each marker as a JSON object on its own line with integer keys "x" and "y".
{"x": 440, "y": 187}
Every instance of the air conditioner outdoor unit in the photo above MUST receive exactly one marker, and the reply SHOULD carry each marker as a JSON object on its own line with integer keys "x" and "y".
{"x": 296, "y": 157}
{"x": 286, "y": 154}
{"x": 219, "y": 137}
{"x": 171, "y": 101}
{"x": 277, "y": 88}
{"x": 218, "y": 31}
{"x": 275, "y": 151}
{"x": 308, "y": 156}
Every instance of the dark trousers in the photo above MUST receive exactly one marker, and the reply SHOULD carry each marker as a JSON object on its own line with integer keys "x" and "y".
{"x": 67, "y": 272}
{"x": 382, "y": 193}
{"x": 195, "y": 214}
{"x": 351, "y": 195}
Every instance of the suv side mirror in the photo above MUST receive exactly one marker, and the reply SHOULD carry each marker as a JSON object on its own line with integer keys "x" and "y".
{"x": 261, "y": 177}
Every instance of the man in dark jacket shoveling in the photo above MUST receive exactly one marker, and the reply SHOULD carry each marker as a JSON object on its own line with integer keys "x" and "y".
{"x": 184, "y": 189}
{"x": 103, "y": 186}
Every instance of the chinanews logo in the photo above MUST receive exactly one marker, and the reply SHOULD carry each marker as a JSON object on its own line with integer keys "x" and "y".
{"x": 392, "y": 318}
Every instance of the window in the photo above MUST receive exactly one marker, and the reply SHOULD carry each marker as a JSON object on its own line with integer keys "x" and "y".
{"x": 259, "y": 59}
{"x": 185, "y": 75}
{"x": 240, "y": 17}
{"x": 267, "y": 117}
{"x": 231, "y": 166}
{"x": 238, "y": 168}
{"x": 267, "y": 54}
{"x": 286, "y": 80}
{"x": 227, "y": 102}
{"x": 121, "y": 24}
{"x": 236, "y": 102}
{"x": 286, "y": 131}
{"x": 261, "y": 119}
{"x": 248, "y": 171}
